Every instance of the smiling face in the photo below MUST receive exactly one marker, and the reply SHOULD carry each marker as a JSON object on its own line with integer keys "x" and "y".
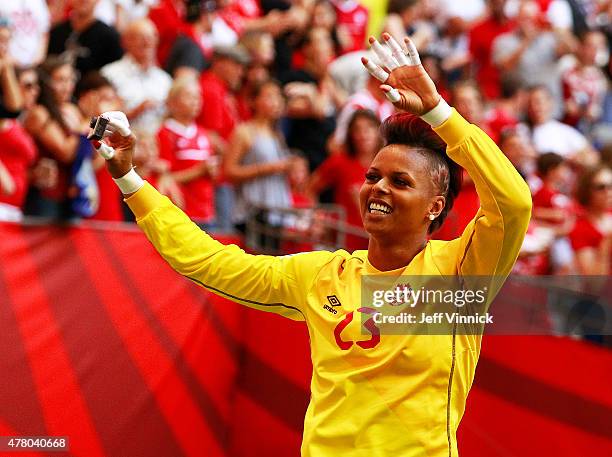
{"x": 399, "y": 194}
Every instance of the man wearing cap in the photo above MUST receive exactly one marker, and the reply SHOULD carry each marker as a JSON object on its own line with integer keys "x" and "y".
{"x": 220, "y": 114}
{"x": 219, "y": 84}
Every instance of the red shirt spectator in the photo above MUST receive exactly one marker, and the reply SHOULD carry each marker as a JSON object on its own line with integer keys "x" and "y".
{"x": 481, "y": 38}
{"x": 220, "y": 109}
{"x": 346, "y": 174}
{"x": 464, "y": 209}
{"x": 168, "y": 17}
{"x": 585, "y": 235}
{"x": 110, "y": 198}
{"x": 547, "y": 197}
{"x": 352, "y": 20}
{"x": 186, "y": 147}
{"x": 17, "y": 154}
{"x": 238, "y": 12}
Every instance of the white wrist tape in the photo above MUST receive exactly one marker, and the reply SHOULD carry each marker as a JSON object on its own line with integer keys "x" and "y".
{"x": 129, "y": 182}
{"x": 437, "y": 116}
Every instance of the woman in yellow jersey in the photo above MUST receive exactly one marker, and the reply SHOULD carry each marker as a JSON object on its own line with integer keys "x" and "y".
{"x": 372, "y": 394}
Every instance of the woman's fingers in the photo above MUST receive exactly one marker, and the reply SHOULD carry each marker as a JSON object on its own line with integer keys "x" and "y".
{"x": 375, "y": 70}
{"x": 391, "y": 93}
{"x": 384, "y": 54}
{"x": 396, "y": 50}
{"x": 413, "y": 54}
{"x": 117, "y": 122}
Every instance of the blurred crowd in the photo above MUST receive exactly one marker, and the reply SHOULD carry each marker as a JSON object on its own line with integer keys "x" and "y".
{"x": 246, "y": 108}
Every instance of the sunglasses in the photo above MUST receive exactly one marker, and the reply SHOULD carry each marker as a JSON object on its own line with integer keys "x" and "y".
{"x": 30, "y": 84}
{"x": 600, "y": 186}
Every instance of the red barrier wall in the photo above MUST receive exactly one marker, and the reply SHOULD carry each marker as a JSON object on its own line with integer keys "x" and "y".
{"x": 102, "y": 342}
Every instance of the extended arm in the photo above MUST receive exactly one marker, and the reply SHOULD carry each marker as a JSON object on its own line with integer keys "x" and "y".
{"x": 491, "y": 242}
{"x": 276, "y": 284}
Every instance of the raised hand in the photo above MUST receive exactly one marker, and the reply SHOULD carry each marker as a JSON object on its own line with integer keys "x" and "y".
{"x": 405, "y": 82}
{"x": 117, "y": 145}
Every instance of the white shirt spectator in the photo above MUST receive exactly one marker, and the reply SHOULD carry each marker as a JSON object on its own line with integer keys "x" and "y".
{"x": 135, "y": 85}
{"x": 30, "y": 23}
{"x": 557, "y": 137}
{"x": 468, "y": 10}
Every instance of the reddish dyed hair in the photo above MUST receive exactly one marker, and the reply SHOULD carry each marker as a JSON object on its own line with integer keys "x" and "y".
{"x": 412, "y": 131}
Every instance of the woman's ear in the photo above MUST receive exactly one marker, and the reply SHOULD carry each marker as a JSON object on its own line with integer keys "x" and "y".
{"x": 437, "y": 206}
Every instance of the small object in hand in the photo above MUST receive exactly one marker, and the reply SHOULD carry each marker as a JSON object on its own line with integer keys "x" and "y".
{"x": 98, "y": 124}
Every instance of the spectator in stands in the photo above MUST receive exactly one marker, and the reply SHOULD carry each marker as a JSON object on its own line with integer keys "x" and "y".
{"x": 186, "y": 146}
{"x": 88, "y": 40}
{"x": 260, "y": 46}
{"x": 403, "y": 19}
{"x": 481, "y": 38}
{"x": 30, "y": 26}
{"x": 352, "y": 24}
{"x": 519, "y": 150}
{"x": 17, "y": 150}
{"x": 220, "y": 115}
{"x": 95, "y": 94}
{"x": 11, "y": 100}
{"x": 591, "y": 237}
{"x": 192, "y": 50}
{"x": 140, "y": 83}
{"x": 56, "y": 125}
{"x": 550, "y": 135}
{"x": 155, "y": 169}
{"x": 219, "y": 85}
{"x": 313, "y": 99}
{"x": 169, "y": 17}
{"x": 467, "y": 99}
{"x": 585, "y": 85}
{"x": 370, "y": 98}
{"x": 531, "y": 52}
{"x": 345, "y": 171}
{"x": 507, "y": 111}
{"x": 44, "y": 173}
{"x": 258, "y": 161}
{"x": 552, "y": 208}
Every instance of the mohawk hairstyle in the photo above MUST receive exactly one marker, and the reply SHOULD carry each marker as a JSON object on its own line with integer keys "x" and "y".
{"x": 410, "y": 130}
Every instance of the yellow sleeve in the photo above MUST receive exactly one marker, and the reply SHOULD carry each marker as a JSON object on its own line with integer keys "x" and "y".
{"x": 274, "y": 284}
{"x": 491, "y": 242}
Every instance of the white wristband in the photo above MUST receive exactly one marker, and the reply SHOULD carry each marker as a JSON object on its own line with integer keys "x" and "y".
{"x": 437, "y": 116}
{"x": 129, "y": 182}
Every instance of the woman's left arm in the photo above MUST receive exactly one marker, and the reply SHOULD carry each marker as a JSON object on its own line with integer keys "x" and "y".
{"x": 491, "y": 242}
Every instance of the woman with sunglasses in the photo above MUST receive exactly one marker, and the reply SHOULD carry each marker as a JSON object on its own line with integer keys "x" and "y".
{"x": 371, "y": 393}
{"x": 591, "y": 237}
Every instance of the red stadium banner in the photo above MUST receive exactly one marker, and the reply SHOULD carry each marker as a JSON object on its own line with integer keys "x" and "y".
{"x": 103, "y": 343}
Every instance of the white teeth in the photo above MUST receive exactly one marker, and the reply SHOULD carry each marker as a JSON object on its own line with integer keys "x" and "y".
{"x": 380, "y": 208}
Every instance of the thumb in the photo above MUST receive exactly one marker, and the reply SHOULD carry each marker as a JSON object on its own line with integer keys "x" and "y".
{"x": 391, "y": 93}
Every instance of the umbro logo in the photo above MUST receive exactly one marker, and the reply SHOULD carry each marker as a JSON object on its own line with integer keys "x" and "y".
{"x": 333, "y": 302}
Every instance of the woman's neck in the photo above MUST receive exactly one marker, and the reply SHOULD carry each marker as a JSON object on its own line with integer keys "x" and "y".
{"x": 80, "y": 22}
{"x": 391, "y": 255}
{"x": 184, "y": 120}
{"x": 596, "y": 214}
{"x": 263, "y": 122}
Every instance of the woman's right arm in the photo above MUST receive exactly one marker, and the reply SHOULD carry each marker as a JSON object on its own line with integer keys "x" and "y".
{"x": 50, "y": 134}
{"x": 275, "y": 284}
{"x": 237, "y": 172}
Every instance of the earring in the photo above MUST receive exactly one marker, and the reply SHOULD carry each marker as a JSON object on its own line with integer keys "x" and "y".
{"x": 432, "y": 217}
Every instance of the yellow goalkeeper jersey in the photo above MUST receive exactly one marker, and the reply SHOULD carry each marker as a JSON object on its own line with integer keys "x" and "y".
{"x": 371, "y": 395}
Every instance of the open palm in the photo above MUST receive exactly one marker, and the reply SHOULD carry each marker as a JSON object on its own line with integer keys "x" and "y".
{"x": 404, "y": 79}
